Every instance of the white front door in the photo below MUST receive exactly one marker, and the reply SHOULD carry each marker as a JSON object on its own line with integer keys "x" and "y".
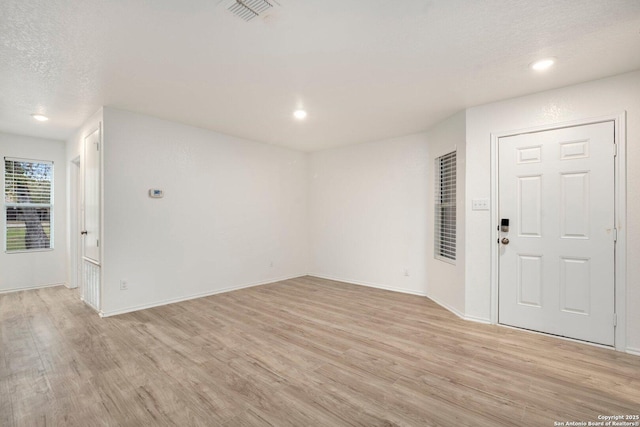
{"x": 556, "y": 188}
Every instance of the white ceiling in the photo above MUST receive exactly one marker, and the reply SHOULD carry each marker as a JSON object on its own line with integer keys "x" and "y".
{"x": 364, "y": 69}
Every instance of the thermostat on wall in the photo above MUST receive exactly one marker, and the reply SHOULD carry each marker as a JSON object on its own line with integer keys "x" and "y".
{"x": 156, "y": 193}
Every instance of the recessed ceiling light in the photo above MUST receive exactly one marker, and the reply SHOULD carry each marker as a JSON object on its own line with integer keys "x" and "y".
{"x": 40, "y": 117}
{"x": 543, "y": 64}
{"x": 300, "y": 114}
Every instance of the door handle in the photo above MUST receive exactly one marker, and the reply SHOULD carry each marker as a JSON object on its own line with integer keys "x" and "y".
{"x": 505, "y": 241}
{"x": 84, "y": 232}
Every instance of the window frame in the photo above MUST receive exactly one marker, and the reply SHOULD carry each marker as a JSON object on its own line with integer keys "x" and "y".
{"x": 445, "y": 208}
{"x": 9, "y": 205}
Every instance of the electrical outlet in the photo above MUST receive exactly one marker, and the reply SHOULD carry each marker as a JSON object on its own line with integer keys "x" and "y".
{"x": 124, "y": 285}
{"x": 406, "y": 272}
{"x": 271, "y": 264}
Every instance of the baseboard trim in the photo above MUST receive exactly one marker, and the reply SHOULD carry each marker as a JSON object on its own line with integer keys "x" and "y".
{"x": 459, "y": 313}
{"x": 634, "y": 351}
{"x": 31, "y": 288}
{"x": 193, "y": 296}
{"x": 478, "y": 320}
{"x": 448, "y": 307}
{"x": 369, "y": 284}
{"x": 405, "y": 291}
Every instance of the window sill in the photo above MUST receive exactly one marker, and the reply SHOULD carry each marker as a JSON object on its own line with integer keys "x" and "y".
{"x": 28, "y": 251}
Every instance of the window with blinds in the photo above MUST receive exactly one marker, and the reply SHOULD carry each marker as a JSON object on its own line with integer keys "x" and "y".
{"x": 445, "y": 208}
{"x": 28, "y": 201}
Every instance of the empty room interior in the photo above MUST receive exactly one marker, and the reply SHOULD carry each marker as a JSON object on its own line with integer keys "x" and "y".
{"x": 289, "y": 212}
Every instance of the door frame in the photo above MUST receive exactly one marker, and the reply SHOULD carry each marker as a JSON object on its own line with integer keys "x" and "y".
{"x": 75, "y": 215}
{"x": 620, "y": 213}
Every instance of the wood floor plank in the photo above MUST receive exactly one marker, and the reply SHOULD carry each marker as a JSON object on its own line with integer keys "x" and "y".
{"x": 7, "y": 417}
{"x": 305, "y": 351}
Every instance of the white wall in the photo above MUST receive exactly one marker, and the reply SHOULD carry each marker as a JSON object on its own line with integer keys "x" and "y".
{"x": 371, "y": 214}
{"x": 232, "y": 207}
{"x": 446, "y": 281}
{"x": 42, "y": 268}
{"x": 583, "y": 101}
{"x": 368, "y": 213}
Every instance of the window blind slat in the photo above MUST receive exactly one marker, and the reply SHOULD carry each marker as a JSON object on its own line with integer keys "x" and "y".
{"x": 28, "y": 204}
{"x": 445, "y": 207}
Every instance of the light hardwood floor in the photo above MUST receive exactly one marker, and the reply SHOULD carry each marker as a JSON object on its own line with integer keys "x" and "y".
{"x": 300, "y": 352}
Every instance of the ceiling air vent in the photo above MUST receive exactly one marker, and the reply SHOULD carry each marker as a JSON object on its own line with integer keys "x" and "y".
{"x": 249, "y": 9}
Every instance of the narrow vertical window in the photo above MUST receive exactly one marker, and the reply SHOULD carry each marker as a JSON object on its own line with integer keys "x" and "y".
{"x": 445, "y": 208}
{"x": 28, "y": 202}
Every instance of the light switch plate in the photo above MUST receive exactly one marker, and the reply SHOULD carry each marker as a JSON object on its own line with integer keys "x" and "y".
{"x": 480, "y": 204}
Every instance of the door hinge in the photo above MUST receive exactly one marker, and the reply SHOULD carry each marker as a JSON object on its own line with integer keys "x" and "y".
{"x": 615, "y": 234}
{"x": 615, "y": 150}
{"x": 615, "y": 319}
{"x": 97, "y": 146}
{"x": 98, "y": 243}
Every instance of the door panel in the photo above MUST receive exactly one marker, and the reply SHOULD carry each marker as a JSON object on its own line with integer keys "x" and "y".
{"x": 530, "y": 280}
{"x": 575, "y": 285}
{"x": 529, "y": 212}
{"x": 557, "y": 270}
{"x": 574, "y": 205}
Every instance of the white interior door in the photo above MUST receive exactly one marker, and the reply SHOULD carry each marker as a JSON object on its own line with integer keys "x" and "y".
{"x": 556, "y": 271}
{"x": 91, "y": 274}
{"x": 91, "y": 232}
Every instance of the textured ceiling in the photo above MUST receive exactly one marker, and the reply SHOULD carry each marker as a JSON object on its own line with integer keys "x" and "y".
{"x": 364, "y": 69}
